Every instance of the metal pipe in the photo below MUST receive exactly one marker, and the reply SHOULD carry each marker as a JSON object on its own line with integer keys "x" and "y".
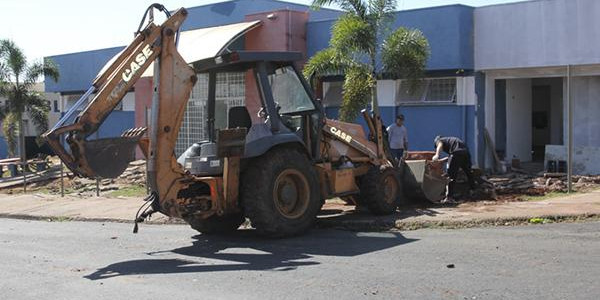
{"x": 69, "y": 114}
{"x": 23, "y": 166}
{"x": 570, "y": 132}
{"x": 62, "y": 180}
{"x": 151, "y": 170}
{"x": 212, "y": 88}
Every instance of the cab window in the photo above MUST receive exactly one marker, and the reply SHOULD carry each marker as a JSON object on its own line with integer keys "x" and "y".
{"x": 288, "y": 91}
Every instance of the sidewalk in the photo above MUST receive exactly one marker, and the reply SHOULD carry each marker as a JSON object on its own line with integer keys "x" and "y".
{"x": 334, "y": 214}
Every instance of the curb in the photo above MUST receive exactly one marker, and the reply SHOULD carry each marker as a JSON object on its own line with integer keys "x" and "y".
{"x": 359, "y": 225}
{"x": 383, "y": 225}
{"x": 83, "y": 219}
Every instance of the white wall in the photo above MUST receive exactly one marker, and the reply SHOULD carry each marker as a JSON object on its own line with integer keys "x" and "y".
{"x": 585, "y": 93}
{"x": 518, "y": 119}
{"x": 537, "y": 34}
{"x": 465, "y": 91}
{"x": 129, "y": 102}
{"x": 386, "y": 92}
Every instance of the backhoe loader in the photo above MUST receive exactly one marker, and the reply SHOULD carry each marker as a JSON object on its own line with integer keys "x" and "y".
{"x": 273, "y": 160}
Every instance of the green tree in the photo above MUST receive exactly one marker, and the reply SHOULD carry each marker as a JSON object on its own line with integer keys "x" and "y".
{"x": 17, "y": 78}
{"x": 354, "y": 48}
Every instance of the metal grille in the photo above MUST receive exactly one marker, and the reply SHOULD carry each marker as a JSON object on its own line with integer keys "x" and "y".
{"x": 230, "y": 91}
{"x": 441, "y": 90}
{"x": 427, "y": 90}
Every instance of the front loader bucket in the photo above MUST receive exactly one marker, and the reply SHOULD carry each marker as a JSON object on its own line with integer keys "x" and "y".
{"x": 109, "y": 157}
{"x": 427, "y": 180}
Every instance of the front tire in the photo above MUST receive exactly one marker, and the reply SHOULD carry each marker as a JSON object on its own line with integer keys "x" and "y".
{"x": 280, "y": 193}
{"x": 380, "y": 190}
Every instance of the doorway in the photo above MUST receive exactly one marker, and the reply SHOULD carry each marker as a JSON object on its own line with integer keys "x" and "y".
{"x": 528, "y": 116}
{"x": 547, "y": 114}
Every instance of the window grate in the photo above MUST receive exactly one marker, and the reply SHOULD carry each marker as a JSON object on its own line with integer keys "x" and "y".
{"x": 230, "y": 91}
{"x": 427, "y": 90}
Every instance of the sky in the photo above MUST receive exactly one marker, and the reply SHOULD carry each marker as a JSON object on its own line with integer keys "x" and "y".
{"x": 50, "y": 27}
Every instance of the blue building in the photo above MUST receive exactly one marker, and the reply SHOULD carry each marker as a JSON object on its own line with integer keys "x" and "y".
{"x": 500, "y": 69}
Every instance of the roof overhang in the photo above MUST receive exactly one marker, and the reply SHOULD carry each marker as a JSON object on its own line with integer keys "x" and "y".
{"x": 204, "y": 43}
{"x": 199, "y": 44}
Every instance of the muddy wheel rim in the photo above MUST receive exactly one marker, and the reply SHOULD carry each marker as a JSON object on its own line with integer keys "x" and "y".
{"x": 390, "y": 189}
{"x": 291, "y": 193}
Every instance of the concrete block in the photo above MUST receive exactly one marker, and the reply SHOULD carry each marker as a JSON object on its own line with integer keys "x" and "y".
{"x": 586, "y": 160}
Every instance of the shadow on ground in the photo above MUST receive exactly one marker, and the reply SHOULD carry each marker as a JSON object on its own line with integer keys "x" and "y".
{"x": 362, "y": 220}
{"x": 244, "y": 250}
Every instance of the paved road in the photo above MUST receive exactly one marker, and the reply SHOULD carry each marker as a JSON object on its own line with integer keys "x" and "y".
{"x": 79, "y": 260}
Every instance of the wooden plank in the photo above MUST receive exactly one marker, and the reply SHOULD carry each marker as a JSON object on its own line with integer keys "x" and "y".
{"x": 488, "y": 140}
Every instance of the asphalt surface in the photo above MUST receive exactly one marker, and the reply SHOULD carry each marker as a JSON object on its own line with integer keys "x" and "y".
{"x": 87, "y": 260}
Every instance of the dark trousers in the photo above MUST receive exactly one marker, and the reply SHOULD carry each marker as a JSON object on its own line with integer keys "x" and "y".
{"x": 459, "y": 160}
{"x": 397, "y": 153}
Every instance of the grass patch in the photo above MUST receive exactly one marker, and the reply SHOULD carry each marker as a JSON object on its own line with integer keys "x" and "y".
{"x": 130, "y": 191}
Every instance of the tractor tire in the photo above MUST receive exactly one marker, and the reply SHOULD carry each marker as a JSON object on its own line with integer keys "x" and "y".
{"x": 380, "y": 190}
{"x": 216, "y": 224}
{"x": 280, "y": 193}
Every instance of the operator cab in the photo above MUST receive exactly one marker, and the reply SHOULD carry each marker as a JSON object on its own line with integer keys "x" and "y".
{"x": 278, "y": 108}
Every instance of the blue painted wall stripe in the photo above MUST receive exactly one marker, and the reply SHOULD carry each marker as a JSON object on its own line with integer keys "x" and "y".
{"x": 449, "y": 30}
{"x": 425, "y": 122}
{"x": 3, "y": 148}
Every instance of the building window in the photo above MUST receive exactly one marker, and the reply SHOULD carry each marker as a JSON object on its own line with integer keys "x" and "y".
{"x": 430, "y": 90}
{"x": 55, "y": 105}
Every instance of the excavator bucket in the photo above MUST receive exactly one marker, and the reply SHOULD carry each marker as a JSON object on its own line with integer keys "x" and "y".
{"x": 109, "y": 157}
{"x": 72, "y": 138}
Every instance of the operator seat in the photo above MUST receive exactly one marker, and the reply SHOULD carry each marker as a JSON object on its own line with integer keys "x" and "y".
{"x": 239, "y": 118}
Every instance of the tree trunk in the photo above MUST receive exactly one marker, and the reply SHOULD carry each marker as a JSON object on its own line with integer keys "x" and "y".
{"x": 374, "y": 102}
{"x": 22, "y": 153}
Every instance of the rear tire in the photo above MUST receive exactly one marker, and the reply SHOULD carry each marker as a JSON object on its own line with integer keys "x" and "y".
{"x": 217, "y": 224}
{"x": 280, "y": 193}
{"x": 380, "y": 190}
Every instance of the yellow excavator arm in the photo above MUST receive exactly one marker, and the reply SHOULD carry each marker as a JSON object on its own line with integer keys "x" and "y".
{"x": 108, "y": 157}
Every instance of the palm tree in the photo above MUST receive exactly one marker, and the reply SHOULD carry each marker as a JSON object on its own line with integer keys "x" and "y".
{"x": 354, "y": 47}
{"x": 17, "y": 79}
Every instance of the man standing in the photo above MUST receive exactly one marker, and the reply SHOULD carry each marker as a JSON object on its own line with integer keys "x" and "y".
{"x": 398, "y": 137}
{"x": 459, "y": 158}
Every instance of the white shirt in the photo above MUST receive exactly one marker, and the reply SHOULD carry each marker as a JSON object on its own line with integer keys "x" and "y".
{"x": 397, "y": 136}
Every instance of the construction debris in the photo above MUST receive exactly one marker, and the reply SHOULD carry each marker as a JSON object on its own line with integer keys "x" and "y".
{"x": 134, "y": 178}
{"x": 506, "y": 187}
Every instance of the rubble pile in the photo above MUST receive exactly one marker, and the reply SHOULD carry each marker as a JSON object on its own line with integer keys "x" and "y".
{"x": 135, "y": 173}
{"x": 540, "y": 184}
{"x": 133, "y": 176}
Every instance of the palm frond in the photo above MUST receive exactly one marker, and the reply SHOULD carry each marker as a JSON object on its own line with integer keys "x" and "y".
{"x": 48, "y": 69}
{"x": 404, "y": 54}
{"x": 358, "y": 84}
{"x": 381, "y": 15}
{"x": 357, "y": 7}
{"x": 14, "y": 58}
{"x": 380, "y": 8}
{"x": 10, "y": 128}
{"x": 38, "y": 109}
{"x": 326, "y": 62}
{"x": 352, "y": 34}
